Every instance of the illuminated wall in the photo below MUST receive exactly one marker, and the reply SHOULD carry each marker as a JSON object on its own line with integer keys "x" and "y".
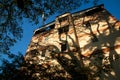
{"x": 71, "y": 43}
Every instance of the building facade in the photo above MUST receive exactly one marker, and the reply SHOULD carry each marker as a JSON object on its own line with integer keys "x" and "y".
{"x": 84, "y": 45}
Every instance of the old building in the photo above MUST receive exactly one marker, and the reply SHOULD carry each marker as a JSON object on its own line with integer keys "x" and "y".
{"x": 84, "y": 45}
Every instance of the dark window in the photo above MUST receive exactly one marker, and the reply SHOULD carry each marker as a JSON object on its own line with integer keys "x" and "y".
{"x": 60, "y": 30}
{"x": 64, "y": 29}
{"x": 64, "y": 46}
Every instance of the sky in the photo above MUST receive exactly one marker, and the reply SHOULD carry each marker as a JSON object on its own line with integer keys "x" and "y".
{"x": 112, "y": 6}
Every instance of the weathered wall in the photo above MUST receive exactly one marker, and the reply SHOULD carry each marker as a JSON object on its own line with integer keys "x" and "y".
{"x": 79, "y": 42}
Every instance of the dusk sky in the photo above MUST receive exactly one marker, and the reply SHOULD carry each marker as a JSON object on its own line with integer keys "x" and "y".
{"x": 113, "y": 6}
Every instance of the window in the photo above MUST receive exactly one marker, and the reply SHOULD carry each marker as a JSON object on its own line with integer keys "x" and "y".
{"x": 60, "y": 30}
{"x": 64, "y": 29}
{"x": 63, "y": 46}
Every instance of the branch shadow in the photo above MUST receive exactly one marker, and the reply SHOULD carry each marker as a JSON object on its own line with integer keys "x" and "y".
{"x": 107, "y": 43}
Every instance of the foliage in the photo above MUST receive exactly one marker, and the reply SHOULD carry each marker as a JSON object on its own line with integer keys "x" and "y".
{"x": 12, "y": 12}
{"x": 10, "y": 69}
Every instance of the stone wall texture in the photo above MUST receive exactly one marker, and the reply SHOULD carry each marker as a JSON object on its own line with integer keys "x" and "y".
{"x": 76, "y": 46}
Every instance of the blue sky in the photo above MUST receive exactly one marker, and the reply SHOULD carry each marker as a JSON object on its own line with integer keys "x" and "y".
{"x": 112, "y": 6}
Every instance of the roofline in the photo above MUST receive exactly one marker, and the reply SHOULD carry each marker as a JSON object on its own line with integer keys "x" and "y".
{"x": 73, "y": 14}
{"x": 45, "y": 26}
{"x": 88, "y": 9}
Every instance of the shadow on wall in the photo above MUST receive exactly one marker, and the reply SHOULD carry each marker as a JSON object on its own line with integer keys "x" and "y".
{"x": 107, "y": 67}
{"x": 50, "y": 63}
{"x": 39, "y": 64}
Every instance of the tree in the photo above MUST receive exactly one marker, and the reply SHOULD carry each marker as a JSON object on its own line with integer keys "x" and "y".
{"x": 12, "y": 12}
{"x": 10, "y": 69}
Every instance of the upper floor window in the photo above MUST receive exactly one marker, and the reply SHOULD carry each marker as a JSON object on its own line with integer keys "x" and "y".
{"x": 64, "y": 29}
{"x": 63, "y": 46}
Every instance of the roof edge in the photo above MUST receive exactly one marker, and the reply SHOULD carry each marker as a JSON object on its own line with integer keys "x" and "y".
{"x": 74, "y": 13}
{"x": 101, "y": 5}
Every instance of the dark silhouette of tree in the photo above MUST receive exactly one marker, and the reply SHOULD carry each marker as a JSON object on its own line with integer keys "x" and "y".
{"x": 101, "y": 63}
{"x": 12, "y": 12}
{"x": 10, "y": 69}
